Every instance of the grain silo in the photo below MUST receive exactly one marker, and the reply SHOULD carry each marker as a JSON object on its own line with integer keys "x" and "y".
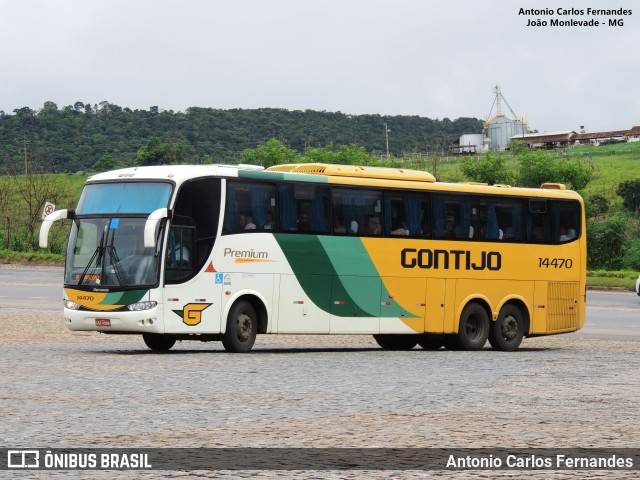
{"x": 499, "y": 128}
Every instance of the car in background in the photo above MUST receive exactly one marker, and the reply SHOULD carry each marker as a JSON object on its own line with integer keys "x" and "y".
{"x": 638, "y": 285}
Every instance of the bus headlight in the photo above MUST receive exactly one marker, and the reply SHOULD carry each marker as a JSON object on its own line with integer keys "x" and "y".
{"x": 71, "y": 305}
{"x": 138, "y": 307}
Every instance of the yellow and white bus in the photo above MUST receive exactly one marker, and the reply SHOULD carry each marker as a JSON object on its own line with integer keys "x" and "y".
{"x": 223, "y": 253}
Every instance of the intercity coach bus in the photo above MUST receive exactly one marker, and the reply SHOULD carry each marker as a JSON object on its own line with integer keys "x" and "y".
{"x": 223, "y": 253}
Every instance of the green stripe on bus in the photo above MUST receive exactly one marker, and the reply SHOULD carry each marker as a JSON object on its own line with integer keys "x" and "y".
{"x": 333, "y": 270}
{"x": 123, "y": 298}
{"x": 282, "y": 176}
{"x": 354, "y": 266}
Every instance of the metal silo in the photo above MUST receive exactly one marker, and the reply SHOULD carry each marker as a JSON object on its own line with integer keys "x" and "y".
{"x": 499, "y": 129}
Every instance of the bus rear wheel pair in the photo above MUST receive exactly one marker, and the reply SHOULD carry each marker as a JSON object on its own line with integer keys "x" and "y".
{"x": 505, "y": 334}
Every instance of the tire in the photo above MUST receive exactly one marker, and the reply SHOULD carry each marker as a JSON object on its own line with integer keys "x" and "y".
{"x": 158, "y": 342}
{"x": 474, "y": 327}
{"x": 242, "y": 327}
{"x": 431, "y": 341}
{"x": 507, "y": 332}
{"x": 396, "y": 342}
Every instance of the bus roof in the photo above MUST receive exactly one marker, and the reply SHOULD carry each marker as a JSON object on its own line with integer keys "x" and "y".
{"x": 356, "y": 171}
{"x": 327, "y": 173}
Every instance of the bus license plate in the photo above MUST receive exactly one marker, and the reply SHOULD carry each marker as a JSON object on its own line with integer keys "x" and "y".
{"x": 103, "y": 322}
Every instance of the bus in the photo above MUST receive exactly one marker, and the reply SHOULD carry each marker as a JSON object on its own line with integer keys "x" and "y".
{"x": 223, "y": 253}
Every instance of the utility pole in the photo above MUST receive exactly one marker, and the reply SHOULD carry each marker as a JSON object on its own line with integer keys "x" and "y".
{"x": 26, "y": 162}
{"x": 386, "y": 136}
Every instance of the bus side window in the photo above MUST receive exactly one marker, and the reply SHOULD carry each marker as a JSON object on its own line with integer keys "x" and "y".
{"x": 566, "y": 221}
{"x": 454, "y": 216}
{"x": 250, "y": 207}
{"x": 404, "y": 214}
{"x": 537, "y": 226}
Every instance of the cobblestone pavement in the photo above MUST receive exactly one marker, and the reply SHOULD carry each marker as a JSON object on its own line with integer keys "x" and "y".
{"x": 71, "y": 389}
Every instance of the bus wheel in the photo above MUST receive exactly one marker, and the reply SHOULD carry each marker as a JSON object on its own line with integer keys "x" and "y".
{"x": 158, "y": 342}
{"x": 507, "y": 331}
{"x": 474, "y": 327}
{"x": 396, "y": 342}
{"x": 430, "y": 341}
{"x": 242, "y": 326}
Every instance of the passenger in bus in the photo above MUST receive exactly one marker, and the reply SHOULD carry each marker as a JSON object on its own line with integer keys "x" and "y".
{"x": 373, "y": 226}
{"x": 338, "y": 225}
{"x": 459, "y": 233}
{"x": 242, "y": 221}
{"x": 400, "y": 230}
{"x": 303, "y": 223}
{"x": 567, "y": 234}
{"x": 250, "y": 225}
{"x": 268, "y": 223}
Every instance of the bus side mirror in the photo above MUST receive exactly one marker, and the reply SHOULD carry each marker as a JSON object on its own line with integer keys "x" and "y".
{"x": 48, "y": 222}
{"x": 151, "y": 225}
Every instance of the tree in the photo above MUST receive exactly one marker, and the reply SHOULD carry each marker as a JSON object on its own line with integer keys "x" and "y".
{"x": 489, "y": 168}
{"x": 606, "y": 240}
{"x": 32, "y": 191}
{"x": 106, "y": 162}
{"x": 629, "y": 190}
{"x": 539, "y": 167}
{"x": 596, "y": 205}
{"x": 156, "y": 152}
{"x": 274, "y": 152}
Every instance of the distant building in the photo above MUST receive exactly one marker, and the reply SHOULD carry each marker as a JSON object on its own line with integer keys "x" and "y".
{"x": 633, "y": 135}
{"x": 547, "y": 139}
{"x": 597, "y": 138}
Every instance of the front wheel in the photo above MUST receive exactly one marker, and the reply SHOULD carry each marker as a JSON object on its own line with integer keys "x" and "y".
{"x": 396, "y": 342}
{"x": 507, "y": 331}
{"x": 158, "y": 342}
{"x": 242, "y": 327}
{"x": 474, "y": 327}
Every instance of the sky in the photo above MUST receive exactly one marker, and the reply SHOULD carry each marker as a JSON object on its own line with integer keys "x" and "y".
{"x": 431, "y": 58}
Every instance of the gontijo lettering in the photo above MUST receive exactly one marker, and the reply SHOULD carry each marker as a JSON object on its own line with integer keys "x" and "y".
{"x": 446, "y": 259}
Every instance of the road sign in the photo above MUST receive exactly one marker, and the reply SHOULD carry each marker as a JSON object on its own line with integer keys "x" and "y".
{"x": 48, "y": 209}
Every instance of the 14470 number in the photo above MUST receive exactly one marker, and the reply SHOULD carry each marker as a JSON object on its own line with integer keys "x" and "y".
{"x": 555, "y": 262}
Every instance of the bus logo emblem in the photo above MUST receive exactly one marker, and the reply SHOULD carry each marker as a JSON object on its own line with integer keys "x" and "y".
{"x": 192, "y": 313}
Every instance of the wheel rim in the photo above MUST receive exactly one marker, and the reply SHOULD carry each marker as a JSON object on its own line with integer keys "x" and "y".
{"x": 473, "y": 327}
{"x": 509, "y": 327}
{"x": 244, "y": 327}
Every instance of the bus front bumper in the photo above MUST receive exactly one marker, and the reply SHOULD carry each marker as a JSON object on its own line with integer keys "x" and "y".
{"x": 145, "y": 321}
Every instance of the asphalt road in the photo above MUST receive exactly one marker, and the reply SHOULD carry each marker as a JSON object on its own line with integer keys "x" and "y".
{"x": 611, "y": 315}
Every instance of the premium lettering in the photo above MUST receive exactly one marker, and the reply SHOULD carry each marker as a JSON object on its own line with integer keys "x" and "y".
{"x": 230, "y": 252}
{"x": 450, "y": 259}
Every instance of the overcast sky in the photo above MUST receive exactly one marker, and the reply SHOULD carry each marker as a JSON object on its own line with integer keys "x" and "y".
{"x": 430, "y": 58}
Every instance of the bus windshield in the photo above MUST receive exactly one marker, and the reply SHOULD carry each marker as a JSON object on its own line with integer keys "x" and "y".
{"x": 106, "y": 242}
{"x": 109, "y": 252}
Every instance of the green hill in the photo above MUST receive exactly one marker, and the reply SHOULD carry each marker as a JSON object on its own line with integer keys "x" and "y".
{"x": 76, "y": 137}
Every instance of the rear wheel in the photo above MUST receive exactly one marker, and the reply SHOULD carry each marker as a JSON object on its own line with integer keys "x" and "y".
{"x": 507, "y": 331}
{"x": 158, "y": 342}
{"x": 396, "y": 342}
{"x": 431, "y": 341}
{"x": 242, "y": 327}
{"x": 474, "y": 327}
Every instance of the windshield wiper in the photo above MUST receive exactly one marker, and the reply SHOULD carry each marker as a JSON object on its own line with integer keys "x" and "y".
{"x": 115, "y": 262}
{"x": 97, "y": 256}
